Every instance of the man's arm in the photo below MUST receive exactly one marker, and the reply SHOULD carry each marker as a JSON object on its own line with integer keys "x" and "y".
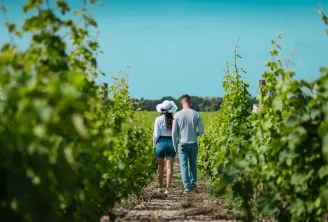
{"x": 175, "y": 130}
{"x": 200, "y": 126}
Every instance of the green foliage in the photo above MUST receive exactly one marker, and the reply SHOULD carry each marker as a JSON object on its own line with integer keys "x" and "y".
{"x": 279, "y": 165}
{"x": 223, "y": 130}
{"x": 288, "y": 140}
{"x": 228, "y": 130}
{"x": 67, "y": 153}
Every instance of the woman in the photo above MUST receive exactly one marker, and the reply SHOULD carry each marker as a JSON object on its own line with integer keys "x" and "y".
{"x": 163, "y": 142}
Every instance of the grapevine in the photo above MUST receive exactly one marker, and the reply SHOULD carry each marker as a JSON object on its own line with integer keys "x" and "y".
{"x": 67, "y": 152}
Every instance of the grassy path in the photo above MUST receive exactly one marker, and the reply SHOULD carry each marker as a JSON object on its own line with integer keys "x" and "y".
{"x": 195, "y": 206}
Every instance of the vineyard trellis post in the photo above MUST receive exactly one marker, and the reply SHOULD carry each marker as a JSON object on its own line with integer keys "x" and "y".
{"x": 262, "y": 83}
{"x": 258, "y": 106}
{"x": 105, "y": 85}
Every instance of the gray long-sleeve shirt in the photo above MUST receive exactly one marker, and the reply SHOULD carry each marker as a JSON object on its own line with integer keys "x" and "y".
{"x": 185, "y": 125}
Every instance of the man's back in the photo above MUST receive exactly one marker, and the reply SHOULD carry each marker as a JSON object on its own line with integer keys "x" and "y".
{"x": 184, "y": 136}
{"x": 185, "y": 126}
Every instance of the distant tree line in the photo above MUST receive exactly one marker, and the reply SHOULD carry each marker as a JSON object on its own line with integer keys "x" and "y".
{"x": 202, "y": 104}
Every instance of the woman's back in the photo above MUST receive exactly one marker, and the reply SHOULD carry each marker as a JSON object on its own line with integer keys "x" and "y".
{"x": 163, "y": 141}
{"x": 161, "y": 128}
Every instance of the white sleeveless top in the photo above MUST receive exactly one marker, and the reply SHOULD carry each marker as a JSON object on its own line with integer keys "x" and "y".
{"x": 160, "y": 128}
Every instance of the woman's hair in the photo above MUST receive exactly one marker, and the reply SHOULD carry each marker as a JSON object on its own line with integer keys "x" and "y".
{"x": 168, "y": 119}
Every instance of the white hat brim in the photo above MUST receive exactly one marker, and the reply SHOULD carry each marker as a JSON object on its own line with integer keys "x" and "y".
{"x": 171, "y": 110}
{"x": 159, "y": 107}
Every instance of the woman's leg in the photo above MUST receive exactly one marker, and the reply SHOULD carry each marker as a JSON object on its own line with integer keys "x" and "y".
{"x": 160, "y": 154}
{"x": 169, "y": 171}
{"x": 160, "y": 171}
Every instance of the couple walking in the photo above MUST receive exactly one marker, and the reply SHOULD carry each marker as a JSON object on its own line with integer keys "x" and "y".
{"x": 177, "y": 135}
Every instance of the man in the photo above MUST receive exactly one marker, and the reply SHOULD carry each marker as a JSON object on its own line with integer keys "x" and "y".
{"x": 187, "y": 126}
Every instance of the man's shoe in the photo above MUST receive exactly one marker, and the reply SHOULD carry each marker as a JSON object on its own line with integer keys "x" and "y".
{"x": 186, "y": 191}
{"x": 193, "y": 187}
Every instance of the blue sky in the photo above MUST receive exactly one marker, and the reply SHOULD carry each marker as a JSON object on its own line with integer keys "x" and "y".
{"x": 181, "y": 46}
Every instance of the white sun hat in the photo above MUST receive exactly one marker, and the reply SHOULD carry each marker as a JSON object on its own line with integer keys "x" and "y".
{"x": 167, "y": 106}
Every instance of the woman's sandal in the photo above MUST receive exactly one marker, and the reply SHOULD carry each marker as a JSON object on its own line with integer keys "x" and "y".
{"x": 160, "y": 190}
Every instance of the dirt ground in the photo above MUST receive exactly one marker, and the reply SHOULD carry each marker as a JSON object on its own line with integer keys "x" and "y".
{"x": 155, "y": 206}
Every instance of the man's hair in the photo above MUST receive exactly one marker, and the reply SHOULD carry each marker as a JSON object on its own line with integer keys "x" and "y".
{"x": 186, "y": 97}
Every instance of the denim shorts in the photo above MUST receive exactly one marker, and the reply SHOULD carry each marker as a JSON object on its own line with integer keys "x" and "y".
{"x": 164, "y": 148}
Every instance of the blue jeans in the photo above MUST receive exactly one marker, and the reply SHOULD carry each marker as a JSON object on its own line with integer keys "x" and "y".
{"x": 188, "y": 153}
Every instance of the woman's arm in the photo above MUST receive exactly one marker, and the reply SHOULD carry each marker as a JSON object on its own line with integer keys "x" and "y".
{"x": 156, "y": 133}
